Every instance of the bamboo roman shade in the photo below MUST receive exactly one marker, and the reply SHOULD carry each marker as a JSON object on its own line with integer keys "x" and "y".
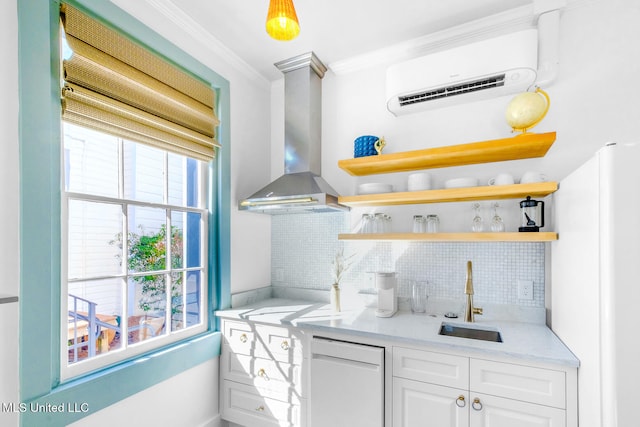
{"x": 116, "y": 86}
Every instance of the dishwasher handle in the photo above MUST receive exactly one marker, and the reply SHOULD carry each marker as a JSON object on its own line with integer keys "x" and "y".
{"x": 362, "y": 353}
{"x": 354, "y": 364}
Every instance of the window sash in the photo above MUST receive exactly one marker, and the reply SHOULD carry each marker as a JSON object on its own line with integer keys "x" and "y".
{"x": 127, "y": 351}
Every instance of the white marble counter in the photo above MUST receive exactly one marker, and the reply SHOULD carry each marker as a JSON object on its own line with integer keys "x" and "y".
{"x": 525, "y": 341}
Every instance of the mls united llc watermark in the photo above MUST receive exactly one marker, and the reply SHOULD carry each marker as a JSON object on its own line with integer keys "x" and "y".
{"x": 69, "y": 407}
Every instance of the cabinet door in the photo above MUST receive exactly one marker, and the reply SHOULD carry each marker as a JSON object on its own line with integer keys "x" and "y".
{"x": 491, "y": 411}
{"x": 417, "y": 404}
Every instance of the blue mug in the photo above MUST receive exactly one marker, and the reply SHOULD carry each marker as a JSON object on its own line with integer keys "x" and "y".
{"x": 367, "y": 145}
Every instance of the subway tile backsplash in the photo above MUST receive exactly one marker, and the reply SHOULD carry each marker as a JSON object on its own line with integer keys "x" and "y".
{"x": 304, "y": 246}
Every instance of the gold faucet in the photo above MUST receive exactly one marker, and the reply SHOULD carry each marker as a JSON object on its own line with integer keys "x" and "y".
{"x": 469, "y": 309}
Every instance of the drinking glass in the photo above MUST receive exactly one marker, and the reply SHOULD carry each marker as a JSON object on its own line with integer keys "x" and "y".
{"x": 433, "y": 223}
{"x": 419, "y": 224}
{"x": 419, "y": 296}
{"x": 497, "y": 224}
{"x": 366, "y": 224}
{"x": 378, "y": 222}
{"x": 386, "y": 223}
{"x": 478, "y": 222}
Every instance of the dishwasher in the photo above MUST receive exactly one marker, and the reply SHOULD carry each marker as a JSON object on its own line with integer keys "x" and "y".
{"x": 346, "y": 385}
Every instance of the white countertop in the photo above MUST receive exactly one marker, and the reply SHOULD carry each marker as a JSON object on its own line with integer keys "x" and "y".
{"x": 526, "y": 341}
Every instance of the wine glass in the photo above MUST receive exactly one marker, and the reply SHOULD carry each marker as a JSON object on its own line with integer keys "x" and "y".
{"x": 497, "y": 225}
{"x": 478, "y": 222}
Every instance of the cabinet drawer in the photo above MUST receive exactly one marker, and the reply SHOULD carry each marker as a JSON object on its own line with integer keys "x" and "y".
{"x": 537, "y": 385}
{"x": 499, "y": 412}
{"x": 269, "y": 342}
{"x": 265, "y": 373}
{"x": 239, "y": 336}
{"x": 434, "y": 368}
{"x": 251, "y": 406}
{"x": 281, "y": 344}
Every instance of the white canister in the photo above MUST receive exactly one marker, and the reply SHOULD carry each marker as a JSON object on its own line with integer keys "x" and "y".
{"x": 419, "y": 181}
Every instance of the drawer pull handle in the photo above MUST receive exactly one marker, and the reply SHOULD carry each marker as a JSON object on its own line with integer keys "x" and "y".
{"x": 243, "y": 338}
{"x": 476, "y": 405}
{"x": 260, "y": 408}
{"x": 460, "y": 402}
{"x": 263, "y": 374}
{"x": 284, "y": 345}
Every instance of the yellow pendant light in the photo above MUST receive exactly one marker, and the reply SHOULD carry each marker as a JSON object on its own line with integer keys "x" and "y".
{"x": 282, "y": 21}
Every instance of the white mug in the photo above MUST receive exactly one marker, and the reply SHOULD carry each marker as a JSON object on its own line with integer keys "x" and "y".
{"x": 502, "y": 179}
{"x": 531, "y": 176}
{"x": 419, "y": 181}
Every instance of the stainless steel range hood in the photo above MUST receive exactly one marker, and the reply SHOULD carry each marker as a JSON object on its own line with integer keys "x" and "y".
{"x": 301, "y": 189}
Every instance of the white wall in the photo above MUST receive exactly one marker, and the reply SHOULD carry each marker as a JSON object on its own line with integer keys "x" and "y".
{"x": 193, "y": 402}
{"x": 9, "y": 190}
{"x": 593, "y": 101}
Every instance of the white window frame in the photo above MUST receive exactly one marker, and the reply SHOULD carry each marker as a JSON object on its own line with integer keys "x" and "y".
{"x": 127, "y": 351}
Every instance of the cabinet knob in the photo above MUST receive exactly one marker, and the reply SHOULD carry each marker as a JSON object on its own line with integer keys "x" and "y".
{"x": 461, "y": 402}
{"x": 243, "y": 338}
{"x": 260, "y": 408}
{"x": 263, "y": 374}
{"x": 284, "y": 345}
{"x": 476, "y": 405}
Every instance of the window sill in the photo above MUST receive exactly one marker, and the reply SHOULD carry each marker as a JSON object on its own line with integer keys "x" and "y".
{"x": 86, "y": 395}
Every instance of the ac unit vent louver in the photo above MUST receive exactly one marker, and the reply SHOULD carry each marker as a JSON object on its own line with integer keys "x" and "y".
{"x": 444, "y": 92}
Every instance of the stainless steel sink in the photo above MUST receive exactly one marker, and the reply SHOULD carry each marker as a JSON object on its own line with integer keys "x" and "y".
{"x": 472, "y": 333}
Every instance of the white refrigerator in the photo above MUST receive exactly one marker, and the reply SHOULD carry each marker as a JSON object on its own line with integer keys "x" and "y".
{"x": 595, "y": 283}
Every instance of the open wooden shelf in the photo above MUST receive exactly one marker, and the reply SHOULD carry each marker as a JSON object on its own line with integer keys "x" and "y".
{"x": 455, "y": 237}
{"x": 487, "y": 192}
{"x": 524, "y": 146}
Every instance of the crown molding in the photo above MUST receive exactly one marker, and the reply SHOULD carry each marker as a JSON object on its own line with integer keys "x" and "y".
{"x": 183, "y": 22}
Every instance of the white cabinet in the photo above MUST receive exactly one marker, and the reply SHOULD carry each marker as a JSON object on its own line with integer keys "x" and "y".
{"x": 263, "y": 377}
{"x": 433, "y": 389}
{"x": 423, "y": 404}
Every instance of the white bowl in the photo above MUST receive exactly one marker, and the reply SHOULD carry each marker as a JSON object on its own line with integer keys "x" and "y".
{"x": 419, "y": 181}
{"x": 461, "y": 183}
{"x": 374, "y": 188}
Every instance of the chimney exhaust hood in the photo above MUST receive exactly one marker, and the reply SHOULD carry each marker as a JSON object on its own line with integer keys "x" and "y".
{"x": 301, "y": 189}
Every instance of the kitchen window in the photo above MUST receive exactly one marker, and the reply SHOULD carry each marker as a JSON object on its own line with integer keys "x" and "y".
{"x": 125, "y": 296}
{"x": 138, "y": 137}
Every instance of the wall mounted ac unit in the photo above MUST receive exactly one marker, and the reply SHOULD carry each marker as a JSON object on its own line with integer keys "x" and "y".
{"x": 489, "y": 68}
